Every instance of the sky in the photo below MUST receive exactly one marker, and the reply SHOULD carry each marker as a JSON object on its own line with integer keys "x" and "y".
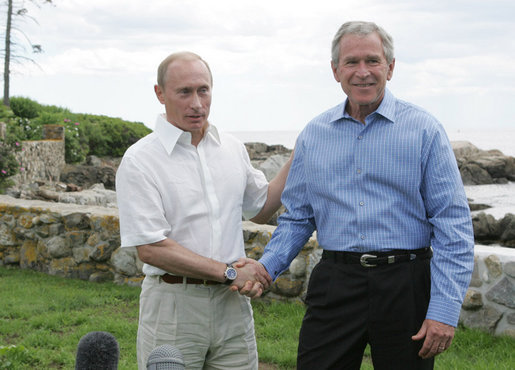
{"x": 270, "y": 59}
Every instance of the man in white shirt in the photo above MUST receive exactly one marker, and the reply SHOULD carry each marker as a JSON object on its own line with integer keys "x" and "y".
{"x": 181, "y": 193}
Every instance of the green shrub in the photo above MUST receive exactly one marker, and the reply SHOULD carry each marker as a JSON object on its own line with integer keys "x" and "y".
{"x": 24, "y": 107}
{"x": 85, "y": 134}
{"x": 9, "y": 165}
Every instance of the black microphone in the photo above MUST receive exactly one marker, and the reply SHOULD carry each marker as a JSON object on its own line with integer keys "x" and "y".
{"x": 97, "y": 350}
{"x": 165, "y": 357}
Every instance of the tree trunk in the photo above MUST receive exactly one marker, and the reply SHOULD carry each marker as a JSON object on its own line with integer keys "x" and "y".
{"x": 7, "y": 57}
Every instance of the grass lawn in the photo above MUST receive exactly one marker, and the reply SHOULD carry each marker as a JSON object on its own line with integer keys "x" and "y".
{"x": 42, "y": 318}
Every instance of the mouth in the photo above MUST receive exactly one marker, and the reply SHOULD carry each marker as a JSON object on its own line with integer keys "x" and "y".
{"x": 364, "y": 85}
{"x": 195, "y": 116}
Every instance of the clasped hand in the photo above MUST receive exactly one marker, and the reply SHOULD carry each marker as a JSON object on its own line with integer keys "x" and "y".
{"x": 252, "y": 278}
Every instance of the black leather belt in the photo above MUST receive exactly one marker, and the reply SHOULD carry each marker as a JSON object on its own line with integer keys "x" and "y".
{"x": 373, "y": 259}
{"x": 174, "y": 279}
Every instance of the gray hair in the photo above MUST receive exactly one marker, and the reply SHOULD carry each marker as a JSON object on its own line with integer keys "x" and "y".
{"x": 362, "y": 29}
{"x": 184, "y": 55}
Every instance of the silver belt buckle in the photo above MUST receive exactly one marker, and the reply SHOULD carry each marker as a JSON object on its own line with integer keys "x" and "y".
{"x": 364, "y": 260}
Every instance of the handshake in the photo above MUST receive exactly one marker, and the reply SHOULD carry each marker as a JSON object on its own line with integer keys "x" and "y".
{"x": 252, "y": 278}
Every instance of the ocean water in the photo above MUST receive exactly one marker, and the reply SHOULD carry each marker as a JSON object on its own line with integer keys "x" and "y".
{"x": 501, "y": 198}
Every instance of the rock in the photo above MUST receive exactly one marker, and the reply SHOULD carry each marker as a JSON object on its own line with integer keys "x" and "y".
{"x": 507, "y": 225}
{"x": 124, "y": 261}
{"x": 503, "y": 293}
{"x": 464, "y": 149}
{"x": 494, "y": 267}
{"x": 486, "y": 228}
{"x": 87, "y": 175}
{"x": 298, "y": 267}
{"x": 101, "y": 276}
{"x": 57, "y": 248}
{"x": 472, "y": 174}
{"x": 272, "y": 165}
{"x": 483, "y": 167}
{"x": 473, "y": 300}
{"x": 485, "y": 318}
{"x": 286, "y": 287}
{"x": 476, "y": 280}
{"x": 509, "y": 269}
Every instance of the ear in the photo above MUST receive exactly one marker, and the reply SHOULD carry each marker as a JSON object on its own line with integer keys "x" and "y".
{"x": 391, "y": 66}
{"x": 159, "y": 93}
{"x": 335, "y": 71}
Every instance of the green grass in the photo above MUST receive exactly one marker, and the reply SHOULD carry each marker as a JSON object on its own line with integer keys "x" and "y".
{"x": 42, "y": 318}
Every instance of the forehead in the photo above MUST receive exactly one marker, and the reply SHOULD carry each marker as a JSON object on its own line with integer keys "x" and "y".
{"x": 353, "y": 45}
{"x": 187, "y": 72}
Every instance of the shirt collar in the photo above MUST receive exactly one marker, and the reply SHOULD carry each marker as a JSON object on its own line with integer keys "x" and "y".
{"x": 170, "y": 135}
{"x": 385, "y": 109}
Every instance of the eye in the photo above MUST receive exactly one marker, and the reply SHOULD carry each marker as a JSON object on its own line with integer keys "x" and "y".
{"x": 204, "y": 90}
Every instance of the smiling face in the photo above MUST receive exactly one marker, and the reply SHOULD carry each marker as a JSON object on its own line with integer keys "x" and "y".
{"x": 186, "y": 95}
{"x": 362, "y": 71}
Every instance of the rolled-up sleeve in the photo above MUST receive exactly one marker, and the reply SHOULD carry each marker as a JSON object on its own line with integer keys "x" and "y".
{"x": 142, "y": 217}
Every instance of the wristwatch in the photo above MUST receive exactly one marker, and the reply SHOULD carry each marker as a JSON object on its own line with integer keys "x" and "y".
{"x": 230, "y": 274}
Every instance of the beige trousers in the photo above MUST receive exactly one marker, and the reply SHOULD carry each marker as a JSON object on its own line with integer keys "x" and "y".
{"x": 212, "y": 326}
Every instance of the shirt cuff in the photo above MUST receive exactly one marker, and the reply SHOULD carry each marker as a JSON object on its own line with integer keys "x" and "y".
{"x": 272, "y": 265}
{"x": 445, "y": 312}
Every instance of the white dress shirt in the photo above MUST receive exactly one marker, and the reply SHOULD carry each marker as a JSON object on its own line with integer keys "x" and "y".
{"x": 168, "y": 188}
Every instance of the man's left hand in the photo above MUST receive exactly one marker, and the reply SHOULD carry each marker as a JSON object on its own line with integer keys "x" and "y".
{"x": 438, "y": 337}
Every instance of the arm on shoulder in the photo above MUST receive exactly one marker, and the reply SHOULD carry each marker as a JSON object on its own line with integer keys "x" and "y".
{"x": 275, "y": 189}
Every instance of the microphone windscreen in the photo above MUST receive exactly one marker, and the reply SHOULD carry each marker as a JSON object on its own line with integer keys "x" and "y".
{"x": 97, "y": 350}
{"x": 165, "y": 357}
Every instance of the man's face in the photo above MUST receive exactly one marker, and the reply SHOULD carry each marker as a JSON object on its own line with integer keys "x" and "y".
{"x": 186, "y": 95}
{"x": 363, "y": 71}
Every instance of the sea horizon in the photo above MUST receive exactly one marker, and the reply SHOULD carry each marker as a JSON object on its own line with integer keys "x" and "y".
{"x": 502, "y": 140}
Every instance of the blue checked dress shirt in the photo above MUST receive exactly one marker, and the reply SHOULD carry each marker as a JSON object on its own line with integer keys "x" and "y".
{"x": 390, "y": 184}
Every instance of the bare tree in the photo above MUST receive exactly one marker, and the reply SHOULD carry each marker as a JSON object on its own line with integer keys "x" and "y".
{"x": 16, "y": 9}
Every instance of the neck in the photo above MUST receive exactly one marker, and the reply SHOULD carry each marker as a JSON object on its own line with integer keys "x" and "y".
{"x": 196, "y": 136}
{"x": 360, "y": 112}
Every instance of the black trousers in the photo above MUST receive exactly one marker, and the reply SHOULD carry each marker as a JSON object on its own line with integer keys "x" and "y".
{"x": 349, "y": 305}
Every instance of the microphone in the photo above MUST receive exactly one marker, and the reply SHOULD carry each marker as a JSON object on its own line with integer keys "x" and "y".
{"x": 165, "y": 357}
{"x": 97, "y": 350}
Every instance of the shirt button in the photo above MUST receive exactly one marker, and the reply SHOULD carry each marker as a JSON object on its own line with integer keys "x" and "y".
{"x": 361, "y": 203}
{"x": 362, "y": 237}
{"x": 358, "y": 170}
{"x": 360, "y": 137}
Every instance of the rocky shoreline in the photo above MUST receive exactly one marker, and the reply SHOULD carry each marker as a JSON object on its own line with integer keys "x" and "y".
{"x": 93, "y": 182}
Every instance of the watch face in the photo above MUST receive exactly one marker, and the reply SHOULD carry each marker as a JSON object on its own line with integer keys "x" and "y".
{"x": 231, "y": 273}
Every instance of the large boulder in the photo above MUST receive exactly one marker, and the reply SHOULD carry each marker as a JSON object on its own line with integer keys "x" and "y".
{"x": 94, "y": 171}
{"x": 483, "y": 166}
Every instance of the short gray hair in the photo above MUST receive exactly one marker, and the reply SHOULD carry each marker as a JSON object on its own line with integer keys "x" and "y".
{"x": 363, "y": 29}
{"x": 184, "y": 55}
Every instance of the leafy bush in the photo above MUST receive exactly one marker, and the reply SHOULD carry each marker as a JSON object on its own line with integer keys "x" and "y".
{"x": 85, "y": 134}
{"x": 9, "y": 165}
{"x": 24, "y": 107}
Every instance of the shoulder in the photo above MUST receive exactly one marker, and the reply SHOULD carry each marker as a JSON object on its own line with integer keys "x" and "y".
{"x": 143, "y": 145}
{"x": 414, "y": 114}
{"x": 230, "y": 142}
{"x": 142, "y": 153}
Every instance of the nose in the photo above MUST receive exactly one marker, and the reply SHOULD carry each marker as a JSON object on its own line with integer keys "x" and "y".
{"x": 195, "y": 102}
{"x": 362, "y": 70}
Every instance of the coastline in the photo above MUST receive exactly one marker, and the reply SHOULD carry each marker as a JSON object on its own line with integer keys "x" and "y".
{"x": 483, "y": 139}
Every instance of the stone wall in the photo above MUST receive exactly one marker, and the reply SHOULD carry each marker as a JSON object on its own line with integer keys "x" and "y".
{"x": 42, "y": 159}
{"x": 78, "y": 241}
